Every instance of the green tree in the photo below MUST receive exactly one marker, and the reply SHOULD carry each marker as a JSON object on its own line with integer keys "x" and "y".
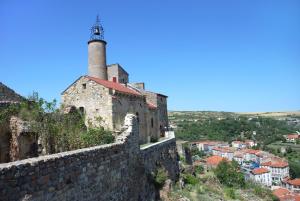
{"x": 228, "y": 174}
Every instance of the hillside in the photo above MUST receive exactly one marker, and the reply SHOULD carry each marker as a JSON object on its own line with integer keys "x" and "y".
{"x": 230, "y": 126}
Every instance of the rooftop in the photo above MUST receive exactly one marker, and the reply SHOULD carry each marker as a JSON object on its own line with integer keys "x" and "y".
{"x": 260, "y": 171}
{"x": 214, "y": 160}
{"x": 115, "y": 85}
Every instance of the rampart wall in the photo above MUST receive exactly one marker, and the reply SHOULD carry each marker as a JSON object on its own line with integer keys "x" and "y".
{"x": 117, "y": 171}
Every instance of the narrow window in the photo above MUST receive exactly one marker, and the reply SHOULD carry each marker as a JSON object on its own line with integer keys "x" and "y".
{"x": 81, "y": 110}
{"x": 137, "y": 117}
{"x": 152, "y": 122}
{"x": 84, "y": 86}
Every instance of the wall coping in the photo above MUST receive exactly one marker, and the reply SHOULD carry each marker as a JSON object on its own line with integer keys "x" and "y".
{"x": 35, "y": 160}
{"x": 171, "y": 138}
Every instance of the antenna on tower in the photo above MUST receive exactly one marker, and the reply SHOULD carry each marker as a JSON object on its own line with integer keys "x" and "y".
{"x": 97, "y": 31}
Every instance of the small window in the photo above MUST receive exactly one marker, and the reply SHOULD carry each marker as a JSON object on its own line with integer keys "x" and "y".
{"x": 137, "y": 117}
{"x": 81, "y": 110}
{"x": 97, "y": 110}
{"x": 151, "y": 122}
{"x": 84, "y": 86}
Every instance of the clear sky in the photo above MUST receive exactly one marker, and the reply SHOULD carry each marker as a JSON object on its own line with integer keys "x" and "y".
{"x": 221, "y": 55}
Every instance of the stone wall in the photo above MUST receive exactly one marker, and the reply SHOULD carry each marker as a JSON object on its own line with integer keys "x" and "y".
{"x": 115, "y": 70}
{"x": 95, "y": 100}
{"x": 117, "y": 171}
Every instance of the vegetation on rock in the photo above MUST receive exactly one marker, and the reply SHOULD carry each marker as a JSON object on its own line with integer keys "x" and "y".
{"x": 57, "y": 131}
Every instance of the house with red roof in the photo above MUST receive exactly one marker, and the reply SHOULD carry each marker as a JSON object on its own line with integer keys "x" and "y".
{"x": 292, "y": 184}
{"x": 284, "y": 194}
{"x": 279, "y": 169}
{"x": 250, "y": 143}
{"x": 292, "y": 137}
{"x": 105, "y": 96}
{"x": 213, "y": 161}
{"x": 238, "y": 144}
{"x": 262, "y": 176}
{"x": 225, "y": 152}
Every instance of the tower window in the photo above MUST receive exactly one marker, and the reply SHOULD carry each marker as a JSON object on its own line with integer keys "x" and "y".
{"x": 81, "y": 110}
{"x": 152, "y": 123}
{"x": 84, "y": 86}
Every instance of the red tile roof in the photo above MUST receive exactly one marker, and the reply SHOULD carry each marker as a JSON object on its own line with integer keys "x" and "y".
{"x": 223, "y": 149}
{"x": 260, "y": 171}
{"x": 114, "y": 85}
{"x": 214, "y": 160}
{"x": 284, "y": 194}
{"x": 292, "y": 136}
{"x": 266, "y": 163}
{"x": 252, "y": 151}
{"x": 237, "y": 142}
{"x": 294, "y": 182}
{"x": 280, "y": 192}
{"x": 275, "y": 164}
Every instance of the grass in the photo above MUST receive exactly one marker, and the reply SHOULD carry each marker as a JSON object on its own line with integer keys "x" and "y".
{"x": 208, "y": 188}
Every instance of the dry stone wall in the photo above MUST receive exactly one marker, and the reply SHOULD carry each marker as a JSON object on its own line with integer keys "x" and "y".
{"x": 117, "y": 171}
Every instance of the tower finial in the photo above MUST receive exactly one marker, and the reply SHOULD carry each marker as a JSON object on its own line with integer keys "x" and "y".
{"x": 97, "y": 31}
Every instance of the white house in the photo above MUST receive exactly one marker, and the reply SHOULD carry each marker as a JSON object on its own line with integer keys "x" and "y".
{"x": 252, "y": 155}
{"x": 279, "y": 170}
{"x": 292, "y": 184}
{"x": 262, "y": 176}
{"x": 292, "y": 137}
{"x": 250, "y": 143}
{"x": 238, "y": 144}
{"x": 224, "y": 152}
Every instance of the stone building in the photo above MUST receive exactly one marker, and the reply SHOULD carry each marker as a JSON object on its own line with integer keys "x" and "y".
{"x": 16, "y": 139}
{"x": 105, "y": 95}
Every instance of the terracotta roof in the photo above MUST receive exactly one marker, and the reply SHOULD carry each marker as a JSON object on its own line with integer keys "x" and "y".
{"x": 237, "y": 142}
{"x": 276, "y": 164}
{"x": 214, "y": 160}
{"x": 294, "y": 182}
{"x": 223, "y": 149}
{"x": 281, "y": 164}
{"x": 151, "y": 106}
{"x": 260, "y": 171}
{"x": 266, "y": 163}
{"x": 114, "y": 85}
{"x": 252, "y": 151}
{"x": 280, "y": 192}
{"x": 292, "y": 136}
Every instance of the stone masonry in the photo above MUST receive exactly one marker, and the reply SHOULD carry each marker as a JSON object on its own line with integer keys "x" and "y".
{"x": 118, "y": 171}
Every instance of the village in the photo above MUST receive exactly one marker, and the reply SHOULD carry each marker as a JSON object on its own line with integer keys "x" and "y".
{"x": 258, "y": 166}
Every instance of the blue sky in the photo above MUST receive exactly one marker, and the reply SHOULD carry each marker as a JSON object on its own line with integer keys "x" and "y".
{"x": 221, "y": 55}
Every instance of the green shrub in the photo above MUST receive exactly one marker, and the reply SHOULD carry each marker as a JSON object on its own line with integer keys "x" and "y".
{"x": 160, "y": 177}
{"x": 97, "y": 136}
{"x": 153, "y": 139}
{"x": 230, "y": 192}
{"x": 199, "y": 169}
{"x": 228, "y": 174}
{"x": 190, "y": 179}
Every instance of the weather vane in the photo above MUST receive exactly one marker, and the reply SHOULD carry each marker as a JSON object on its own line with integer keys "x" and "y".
{"x": 97, "y": 31}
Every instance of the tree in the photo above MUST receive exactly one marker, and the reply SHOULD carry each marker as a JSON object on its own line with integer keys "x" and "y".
{"x": 229, "y": 175}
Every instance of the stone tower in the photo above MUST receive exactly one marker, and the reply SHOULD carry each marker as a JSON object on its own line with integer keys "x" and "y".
{"x": 97, "y": 52}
